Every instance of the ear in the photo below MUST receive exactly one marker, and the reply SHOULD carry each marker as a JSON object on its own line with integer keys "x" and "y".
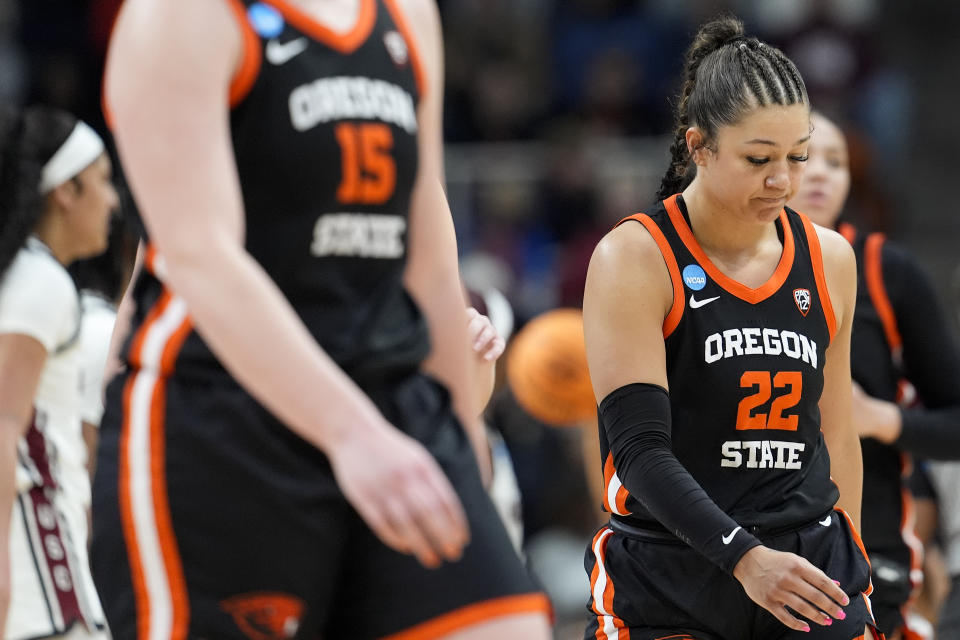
{"x": 63, "y": 195}
{"x": 696, "y": 141}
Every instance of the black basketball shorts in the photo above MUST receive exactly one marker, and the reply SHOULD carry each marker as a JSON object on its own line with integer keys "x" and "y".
{"x": 214, "y": 521}
{"x": 648, "y": 589}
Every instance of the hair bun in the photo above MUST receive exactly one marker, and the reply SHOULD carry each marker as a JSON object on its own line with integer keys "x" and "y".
{"x": 715, "y": 34}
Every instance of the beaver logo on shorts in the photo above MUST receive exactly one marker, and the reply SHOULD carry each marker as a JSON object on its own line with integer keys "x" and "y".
{"x": 265, "y": 615}
{"x": 802, "y": 298}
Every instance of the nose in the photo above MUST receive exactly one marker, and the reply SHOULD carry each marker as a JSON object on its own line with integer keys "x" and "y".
{"x": 777, "y": 180}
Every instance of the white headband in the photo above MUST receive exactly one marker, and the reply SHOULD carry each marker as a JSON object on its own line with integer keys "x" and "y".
{"x": 81, "y": 148}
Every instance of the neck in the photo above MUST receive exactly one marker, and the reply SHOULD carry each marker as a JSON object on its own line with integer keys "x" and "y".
{"x": 722, "y": 231}
{"x": 56, "y": 239}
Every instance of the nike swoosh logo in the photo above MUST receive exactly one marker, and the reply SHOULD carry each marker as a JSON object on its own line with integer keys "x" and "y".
{"x": 696, "y": 304}
{"x": 826, "y": 521}
{"x": 278, "y": 53}
{"x": 727, "y": 539}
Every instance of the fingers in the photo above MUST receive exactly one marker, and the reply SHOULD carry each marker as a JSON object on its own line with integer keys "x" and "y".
{"x": 422, "y": 517}
{"x": 780, "y": 613}
{"x": 814, "y": 596}
{"x": 483, "y": 336}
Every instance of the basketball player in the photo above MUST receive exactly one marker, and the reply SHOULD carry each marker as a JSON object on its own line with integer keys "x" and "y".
{"x": 56, "y": 197}
{"x": 902, "y": 349}
{"x": 717, "y": 331}
{"x": 281, "y": 458}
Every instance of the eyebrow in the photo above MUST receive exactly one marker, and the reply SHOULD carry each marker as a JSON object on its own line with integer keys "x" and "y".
{"x": 774, "y": 144}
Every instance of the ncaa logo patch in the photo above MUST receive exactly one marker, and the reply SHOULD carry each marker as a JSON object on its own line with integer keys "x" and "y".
{"x": 802, "y": 298}
{"x": 694, "y": 277}
{"x": 396, "y": 47}
{"x": 265, "y": 20}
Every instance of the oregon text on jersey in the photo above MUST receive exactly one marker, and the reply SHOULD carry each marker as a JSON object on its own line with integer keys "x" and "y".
{"x": 756, "y": 341}
{"x": 342, "y": 98}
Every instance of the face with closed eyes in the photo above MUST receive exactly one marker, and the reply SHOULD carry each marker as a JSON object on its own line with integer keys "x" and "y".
{"x": 826, "y": 183}
{"x": 754, "y": 166}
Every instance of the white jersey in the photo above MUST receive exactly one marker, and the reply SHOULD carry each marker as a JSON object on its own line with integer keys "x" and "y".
{"x": 96, "y": 326}
{"x": 51, "y": 586}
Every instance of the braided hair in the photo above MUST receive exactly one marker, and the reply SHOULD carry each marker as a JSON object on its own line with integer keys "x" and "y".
{"x": 726, "y": 74}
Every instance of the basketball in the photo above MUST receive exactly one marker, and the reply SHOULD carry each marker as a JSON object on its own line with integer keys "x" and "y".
{"x": 547, "y": 369}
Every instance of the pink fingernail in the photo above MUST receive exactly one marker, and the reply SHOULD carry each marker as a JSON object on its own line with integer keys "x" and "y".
{"x": 841, "y": 616}
{"x": 806, "y": 629}
{"x": 836, "y": 582}
{"x": 828, "y": 622}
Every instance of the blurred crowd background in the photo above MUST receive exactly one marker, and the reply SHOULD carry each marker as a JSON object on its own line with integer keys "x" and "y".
{"x": 558, "y": 114}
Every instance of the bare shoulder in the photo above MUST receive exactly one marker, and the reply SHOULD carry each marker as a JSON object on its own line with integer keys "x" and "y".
{"x": 423, "y": 19}
{"x": 180, "y": 29}
{"x": 170, "y": 51}
{"x": 835, "y": 248}
{"x": 840, "y": 270}
{"x": 629, "y": 248}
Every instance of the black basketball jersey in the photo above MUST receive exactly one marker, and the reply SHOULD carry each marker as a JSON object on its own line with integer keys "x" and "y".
{"x": 876, "y": 365}
{"x": 324, "y": 130}
{"x": 745, "y": 372}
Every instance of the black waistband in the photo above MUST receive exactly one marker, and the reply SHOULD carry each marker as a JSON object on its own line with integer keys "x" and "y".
{"x": 664, "y": 536}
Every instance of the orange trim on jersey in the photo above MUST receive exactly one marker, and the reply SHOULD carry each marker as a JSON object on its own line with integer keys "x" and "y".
{"x": 816, "y": 259}
{"x": 343, "y": 42}
{"x": 141, "y": 599}
{"x": 600, "y": 553}
{"x": 620, "y": 505}
{"x": 873, "y": 274}
{"x": 250, "y": 59}
{"x": 908, "y": 521}
{"x": 150, "y": 259}
{"x": 173, "y": 566}
{"x": 854, "y": 532}
{"x": 859, "y": 541}
{"x": 477, "y": 613}
{"x": 416, "y": 61}
{"x": 753, "y": 296}
{"x": 848, "y": 231}
{"x": 676, "y": 308}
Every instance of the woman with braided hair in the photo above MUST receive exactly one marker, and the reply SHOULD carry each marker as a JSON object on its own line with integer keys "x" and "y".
{"x": 718, "y": 338}
{"x": 56, "y": 199}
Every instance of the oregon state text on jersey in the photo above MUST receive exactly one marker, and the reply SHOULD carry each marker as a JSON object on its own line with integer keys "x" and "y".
{"x": 745, "y": 372}
{"x": 324, "y": 130}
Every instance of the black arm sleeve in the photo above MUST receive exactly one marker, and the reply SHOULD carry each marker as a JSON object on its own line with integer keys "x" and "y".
{"x": 930, "y": 356}
{"x": 636, "y": 418}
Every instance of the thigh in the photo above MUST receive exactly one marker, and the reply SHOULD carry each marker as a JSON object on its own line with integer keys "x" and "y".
{"x": 210, "y": 518}
{"x": 385, "y": 593}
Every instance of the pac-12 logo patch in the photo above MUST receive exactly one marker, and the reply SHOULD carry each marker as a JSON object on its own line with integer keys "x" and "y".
{"x": 265, "y": 20}
{"x": 694, "y": 277}
{"x": 265, "y": 615}
{"x": 396, "y": 47}
{"x": 802, "y": 298}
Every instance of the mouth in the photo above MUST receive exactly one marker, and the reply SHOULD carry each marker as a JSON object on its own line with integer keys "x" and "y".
{"x": 773, "y": 201}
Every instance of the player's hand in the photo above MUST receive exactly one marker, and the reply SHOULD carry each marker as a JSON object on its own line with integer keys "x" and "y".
{"x": 875, "y": 418}
{"x": 401, "y": 493}
{"x": 484, "y": 339}
{"x": 775, "y": 580}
